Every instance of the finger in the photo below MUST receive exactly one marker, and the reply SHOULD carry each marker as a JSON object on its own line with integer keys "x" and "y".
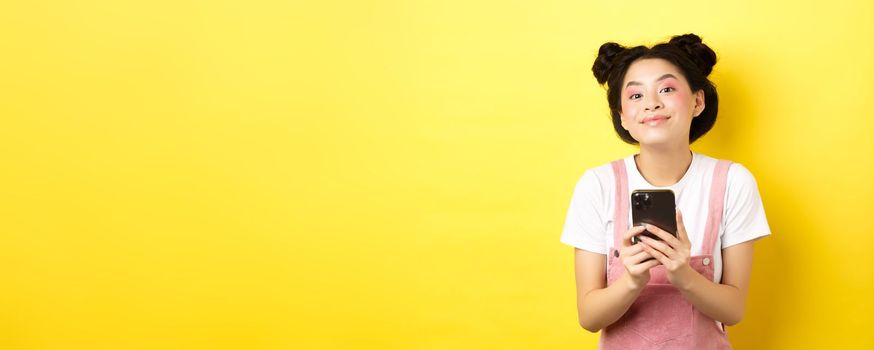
{"x": 650, "y": 264}
{"x": 634, "y": 231}
{"x": 681, "y": 227}
{"x": 659, "y": 245}
{"x": 645, "y": 266}
{"x": 630, "y": 251}
{"x": 656, "y": 254}
{"x": 637, "y": 258}
{"x": 664, "y": 235}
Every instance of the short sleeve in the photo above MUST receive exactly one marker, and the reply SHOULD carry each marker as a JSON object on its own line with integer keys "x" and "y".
{"x": 744, "y": 212}
{"x": 584, "y": 226}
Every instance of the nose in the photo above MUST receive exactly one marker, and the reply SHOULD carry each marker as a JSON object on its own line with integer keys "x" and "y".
{"x": 653, "y": 102}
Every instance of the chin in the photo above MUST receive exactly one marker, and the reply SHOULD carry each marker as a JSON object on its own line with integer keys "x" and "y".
{"x": 653, "y": 140}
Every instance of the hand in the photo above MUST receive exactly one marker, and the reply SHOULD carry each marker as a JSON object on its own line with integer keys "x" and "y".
{"x": 637, "y": 261}
{"x": 672, "y": 252}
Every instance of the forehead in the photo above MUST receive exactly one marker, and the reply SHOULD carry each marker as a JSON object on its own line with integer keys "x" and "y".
{"x": 649, "y": 70}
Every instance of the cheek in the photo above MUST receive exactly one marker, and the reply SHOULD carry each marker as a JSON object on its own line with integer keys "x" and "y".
{"x": 680, "y": 100}
{"x": 629, "y": 110}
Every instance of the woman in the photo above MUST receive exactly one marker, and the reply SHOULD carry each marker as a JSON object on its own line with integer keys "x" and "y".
{"x": 677, "y": 292}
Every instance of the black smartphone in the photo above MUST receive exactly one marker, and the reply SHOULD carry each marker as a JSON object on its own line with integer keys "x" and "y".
{"x": 654, "y": 207}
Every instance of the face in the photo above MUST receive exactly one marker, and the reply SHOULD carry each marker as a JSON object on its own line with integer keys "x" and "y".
{"x": 657, "y": 103}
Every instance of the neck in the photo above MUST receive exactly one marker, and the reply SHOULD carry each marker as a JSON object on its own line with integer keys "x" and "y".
{"x": 663, "y": 167}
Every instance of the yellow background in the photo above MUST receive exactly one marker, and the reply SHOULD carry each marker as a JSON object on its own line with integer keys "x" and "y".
{"x": 395, "y": 174}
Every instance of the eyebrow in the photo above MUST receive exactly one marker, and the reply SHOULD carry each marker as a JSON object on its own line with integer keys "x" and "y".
{"x": 663, "y": 77}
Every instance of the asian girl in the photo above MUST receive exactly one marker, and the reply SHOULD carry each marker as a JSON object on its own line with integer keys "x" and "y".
{"x": 677, "y": 292}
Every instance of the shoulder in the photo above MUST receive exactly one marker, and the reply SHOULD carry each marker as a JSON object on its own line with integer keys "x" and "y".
{"x": 741, "y": 186}
{"x": 740, "y": 176}
{"x": 596, "y": 182}
{"x": 600, "y": 176}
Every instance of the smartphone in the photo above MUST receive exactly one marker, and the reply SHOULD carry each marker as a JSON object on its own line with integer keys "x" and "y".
{"x": 654, "y": 207}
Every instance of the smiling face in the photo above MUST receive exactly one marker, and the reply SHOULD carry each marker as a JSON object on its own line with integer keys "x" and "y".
{"x": 657, "y": 103}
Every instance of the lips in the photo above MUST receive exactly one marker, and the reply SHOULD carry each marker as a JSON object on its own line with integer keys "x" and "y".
{"x": 654, "y": 118}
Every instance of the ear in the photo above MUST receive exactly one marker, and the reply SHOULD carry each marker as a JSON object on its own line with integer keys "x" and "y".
{"x": 699, "y": 103}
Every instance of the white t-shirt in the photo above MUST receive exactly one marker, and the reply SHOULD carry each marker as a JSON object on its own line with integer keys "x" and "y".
{"x": 589, "y": 222}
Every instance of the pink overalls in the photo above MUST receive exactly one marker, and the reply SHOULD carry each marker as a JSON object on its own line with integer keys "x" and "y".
{"x": 661, "y": 318}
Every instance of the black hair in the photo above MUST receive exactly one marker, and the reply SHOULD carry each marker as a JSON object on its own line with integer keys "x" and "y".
{"x": 693, "y": 58}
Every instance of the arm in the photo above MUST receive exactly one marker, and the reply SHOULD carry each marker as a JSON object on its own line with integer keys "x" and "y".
{"x": 722, "y": 302}
{"x": 599, "y": 305}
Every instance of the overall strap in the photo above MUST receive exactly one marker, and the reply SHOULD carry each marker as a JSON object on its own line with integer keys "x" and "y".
{"x": 717, "y": 201}
{"x": 620, "y": 213}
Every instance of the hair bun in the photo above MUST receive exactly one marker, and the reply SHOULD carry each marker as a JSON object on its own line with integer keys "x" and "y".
{"x": 604, "y": 63}
{"x": 701, "y": 54}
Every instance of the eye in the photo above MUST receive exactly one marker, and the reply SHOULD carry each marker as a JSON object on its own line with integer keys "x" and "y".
{"x": 634, "y": 96}
{"x": 667, "y": 89}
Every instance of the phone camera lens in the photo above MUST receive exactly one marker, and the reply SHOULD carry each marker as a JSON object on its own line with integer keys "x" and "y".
{"x": 647, "y": 201}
